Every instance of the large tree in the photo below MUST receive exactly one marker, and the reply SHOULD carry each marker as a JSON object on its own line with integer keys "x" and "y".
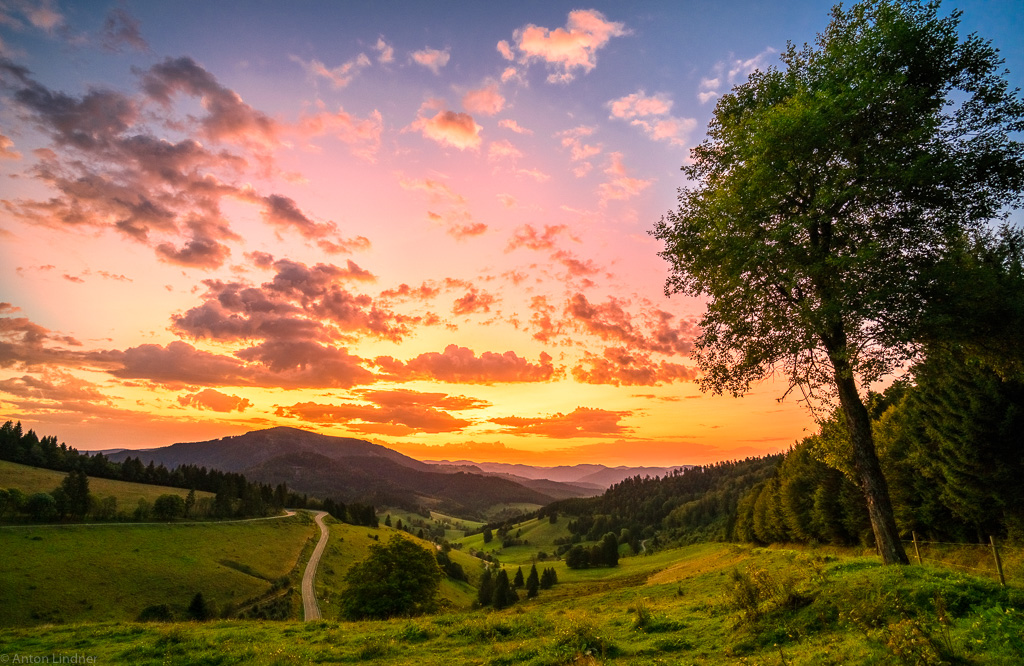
{"x": 400, "y": 578}
{"x": 825, "y": 196}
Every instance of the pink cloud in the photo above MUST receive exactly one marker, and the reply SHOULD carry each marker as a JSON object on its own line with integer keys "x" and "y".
{"x": 639, "y": 104}
{"x": 385, "y": 52}
{"x": 362, "y": 134}
{"x": 7, "y": 151}
{"x": 505, "y": 50}
{"x": 570, "y": 48}
{"x": 339, "y": 76}
{"x": 502, "y": 150}
{"x": 510, "y": 124}
{"x": 620, "y": 186}
{"x": 486, "y": 101}
{"x": 432, "y": 59}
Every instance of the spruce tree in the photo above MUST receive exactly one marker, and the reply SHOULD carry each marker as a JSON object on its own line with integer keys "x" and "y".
{"x": 518, "y": 581}
{"x": 532, "y": 582}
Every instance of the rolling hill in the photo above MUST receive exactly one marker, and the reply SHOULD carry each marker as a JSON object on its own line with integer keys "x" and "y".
{"x": 351, "y": 470}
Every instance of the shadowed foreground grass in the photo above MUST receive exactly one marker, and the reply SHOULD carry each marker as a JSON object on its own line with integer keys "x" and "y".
{"x": 703, "y": 604}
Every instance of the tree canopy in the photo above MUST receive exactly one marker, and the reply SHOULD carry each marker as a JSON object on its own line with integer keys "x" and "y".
{"x": 397, "y": 579}
{"x": 825, "y": 203}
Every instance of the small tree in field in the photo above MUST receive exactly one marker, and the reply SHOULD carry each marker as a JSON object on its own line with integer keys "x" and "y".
{"x": 826, "y": 197}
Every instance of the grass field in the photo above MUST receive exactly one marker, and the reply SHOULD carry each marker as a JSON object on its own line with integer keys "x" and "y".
{"x": 78, "y": 573}
{"x": 36, "y": 479}
{"x": 705, "y": 604}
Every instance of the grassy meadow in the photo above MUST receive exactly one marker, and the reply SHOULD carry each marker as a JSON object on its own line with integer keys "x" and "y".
{"x": 704, "y": 604}
{"x": 38, "y": 480}
{"x": 86, "y": 573}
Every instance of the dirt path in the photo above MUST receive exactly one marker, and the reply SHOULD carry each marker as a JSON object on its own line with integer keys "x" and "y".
{"x": 287, "y": 514}
{"x": 310, "y": 609}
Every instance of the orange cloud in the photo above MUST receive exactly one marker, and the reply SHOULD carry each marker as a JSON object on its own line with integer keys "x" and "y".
{"x": 462, "y": 365}
{"x": 620, "y": 367}
{"x": 581, "y": 422}
{"x": 215, "y": 401}
{"x": 570, "y": 48}
{"x": 7, "y": 151}
{"x": 450, "y": 128}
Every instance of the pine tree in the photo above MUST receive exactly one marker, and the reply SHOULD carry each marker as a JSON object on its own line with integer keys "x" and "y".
{"x": 532, "y": 582}
{"x": 485, "y": 593}
{"x": 518, "y": 581}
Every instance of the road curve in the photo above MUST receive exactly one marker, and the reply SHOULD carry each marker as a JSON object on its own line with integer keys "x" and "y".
{"x": 310, "y": 609}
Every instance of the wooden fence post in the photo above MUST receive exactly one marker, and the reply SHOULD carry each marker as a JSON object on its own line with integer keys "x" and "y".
{"x": 917, "y": 551}
{"x": 999, "y": 563}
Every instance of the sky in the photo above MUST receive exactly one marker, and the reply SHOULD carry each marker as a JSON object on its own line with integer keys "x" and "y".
{"x": 421, "y": 224}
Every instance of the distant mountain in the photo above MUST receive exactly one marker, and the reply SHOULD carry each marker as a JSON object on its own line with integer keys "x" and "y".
{"x": 354, "y": 470}
{"x": 593, "y": 477}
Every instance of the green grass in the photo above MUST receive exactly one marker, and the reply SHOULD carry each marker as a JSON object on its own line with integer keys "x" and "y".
{"x": 36, "y": 479}
{"x": 705, "y": 604}
{"x": 79, "y": 573}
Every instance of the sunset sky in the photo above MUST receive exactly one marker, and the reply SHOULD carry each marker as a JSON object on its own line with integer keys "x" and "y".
{"x": 422, "y": 224}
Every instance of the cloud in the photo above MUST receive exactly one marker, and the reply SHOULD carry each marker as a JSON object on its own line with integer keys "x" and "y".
{"x": 385, "y": 52}
{"x": 571, "y": 48}
{"x": 449, "y": 128}
{"x": 462, "y": 365}
{"x": 214, "y": 400}
{"x": 502, "y": 150}
{"x": 731, "y": 72}
{"x": 283, "y": 213}
{"x": 473, "y": 301}
{"x": 620, "y": 367}
{"x": 578, "y": 150}
{"x": 176, "y": 364}
{"x": 432, "y": 59}
{"x": 7, "y": 151}
{"x": 529, "y": 237}
{"x": 486, "y": 101}
{"x": 300, "y": 303}
{"x": 228, "y": 117}
{"x": 621, "y": 186}
{"x": 581, "y": 422}
{"x": 510, "y": 124}
{"x": 120, "y": 30}
{"x": 339, "y": 76}
{"x": 652, "y": 115}
{"x": 401, "y": 412}
{"x": 505, "y": 50}
{"x": 654, "y": 331}
{"x": 361, "y": 134}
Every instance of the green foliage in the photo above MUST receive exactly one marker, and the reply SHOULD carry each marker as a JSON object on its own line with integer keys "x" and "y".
{"x": 168, "y": 507}
{"x": 200, "y": 609}
{"x": 829, "y": 197}
{"x": 399, "y": 578}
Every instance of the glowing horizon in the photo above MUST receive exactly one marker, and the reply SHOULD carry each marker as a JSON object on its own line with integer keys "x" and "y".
{"x": 425, "y": 229}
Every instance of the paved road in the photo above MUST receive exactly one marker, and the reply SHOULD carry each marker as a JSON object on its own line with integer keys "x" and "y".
{"x": 310, "y": 609}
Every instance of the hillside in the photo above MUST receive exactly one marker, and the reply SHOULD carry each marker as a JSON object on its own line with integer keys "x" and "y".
{"x": 351, "y": 470}
{"x": 36, "y": 479}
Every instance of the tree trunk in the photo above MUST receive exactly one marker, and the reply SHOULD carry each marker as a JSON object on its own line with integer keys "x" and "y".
{"x": 868, "y": 469}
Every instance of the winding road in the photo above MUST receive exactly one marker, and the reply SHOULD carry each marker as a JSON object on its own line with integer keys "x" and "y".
{"x": 310, "y": 609}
